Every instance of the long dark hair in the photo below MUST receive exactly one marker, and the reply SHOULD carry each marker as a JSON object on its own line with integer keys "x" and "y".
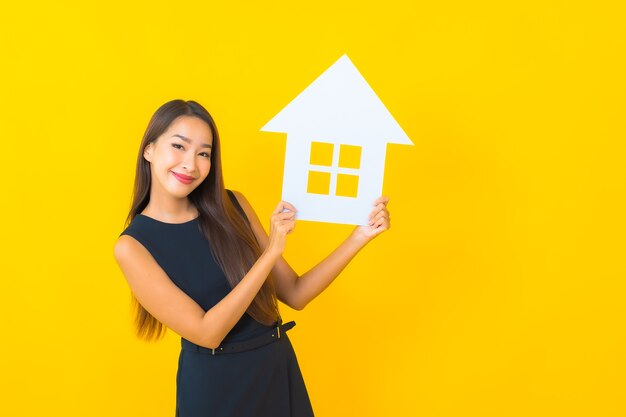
{"x": 233, "y": 243}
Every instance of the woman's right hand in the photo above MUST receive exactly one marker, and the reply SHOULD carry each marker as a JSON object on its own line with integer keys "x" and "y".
{"x": 282, "y": 222}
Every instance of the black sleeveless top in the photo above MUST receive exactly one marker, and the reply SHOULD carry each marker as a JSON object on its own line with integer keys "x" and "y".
{"x": 184, "y": 253}
{"x": 262, "y": 382}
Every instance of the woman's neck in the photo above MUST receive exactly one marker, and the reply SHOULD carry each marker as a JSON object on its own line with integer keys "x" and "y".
{"x": 168, "y": 209}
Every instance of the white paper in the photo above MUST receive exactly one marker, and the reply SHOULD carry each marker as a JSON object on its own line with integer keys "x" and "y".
{"x": 338, "y": 108}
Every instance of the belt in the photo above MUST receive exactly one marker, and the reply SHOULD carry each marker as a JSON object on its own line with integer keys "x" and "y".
{"x": 234, "y": 347}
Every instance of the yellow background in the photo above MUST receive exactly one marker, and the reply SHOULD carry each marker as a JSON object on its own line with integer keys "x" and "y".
{"x": 499, "y": 290}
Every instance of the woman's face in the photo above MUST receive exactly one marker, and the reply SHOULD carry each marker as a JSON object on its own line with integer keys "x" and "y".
{"x": 180, "y": 159}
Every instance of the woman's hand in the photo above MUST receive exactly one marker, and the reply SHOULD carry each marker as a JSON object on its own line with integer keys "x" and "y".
{"x": 282, "y": 222}
{"x": 379, "y": 221}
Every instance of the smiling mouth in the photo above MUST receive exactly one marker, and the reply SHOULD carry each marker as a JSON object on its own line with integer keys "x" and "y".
{"x": 185, "y": 179}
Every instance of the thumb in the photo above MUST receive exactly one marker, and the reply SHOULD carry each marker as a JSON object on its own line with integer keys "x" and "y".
{"x": 279, "y": 208}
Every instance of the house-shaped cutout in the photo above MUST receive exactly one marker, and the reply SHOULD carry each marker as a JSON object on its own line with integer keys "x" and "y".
{"x": 337, "y": 134}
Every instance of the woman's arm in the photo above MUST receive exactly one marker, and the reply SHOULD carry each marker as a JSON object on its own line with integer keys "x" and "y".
{"x": 297, "y": 291}
{"x": 156, "y": 292}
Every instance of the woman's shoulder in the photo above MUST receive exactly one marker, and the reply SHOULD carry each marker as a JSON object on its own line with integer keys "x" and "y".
{"x": 146, "y": 233}
{"x": 235, "y": 196}
{"x": 125, "y": 246}
{"x": 131, "y": 234}
{"x": 238, "y": 199}
{"x": 240, "y": 203}
{"x": 127, "y": 242}
{"x": 136, "y": 226}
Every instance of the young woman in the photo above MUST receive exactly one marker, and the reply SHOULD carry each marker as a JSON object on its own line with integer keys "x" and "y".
{"x": 198, "y": 261}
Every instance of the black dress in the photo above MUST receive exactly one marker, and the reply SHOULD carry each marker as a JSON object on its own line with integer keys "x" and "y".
{"x": 263, "y": 382}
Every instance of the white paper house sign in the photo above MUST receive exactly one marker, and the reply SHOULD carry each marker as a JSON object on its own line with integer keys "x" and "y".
{"x": 337, "y": 134}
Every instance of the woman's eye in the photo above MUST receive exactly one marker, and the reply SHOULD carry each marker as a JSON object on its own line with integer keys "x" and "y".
{"x": 177, "y": 146}
{"x": 205, "y": 154}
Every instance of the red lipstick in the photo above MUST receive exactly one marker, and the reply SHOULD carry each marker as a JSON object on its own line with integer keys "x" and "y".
{"x": 185, "y": 179}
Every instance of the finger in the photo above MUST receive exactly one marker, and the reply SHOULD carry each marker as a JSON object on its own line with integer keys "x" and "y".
{"x": 382, "y": 213}
{"x": 378, "y": 231}
{"x": 380, "y": 225}
{"x": 285, "y": 222}
{"x": 381, "y": 200}
{"x": 287, "y": 227}
{"x": 285, "y": 215}
{"x": 289, "y": 206}
{"x": 279, "y": 208}
{"x": 376, "y": 210}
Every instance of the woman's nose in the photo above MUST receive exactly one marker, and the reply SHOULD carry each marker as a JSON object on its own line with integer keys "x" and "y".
{"x": 189, "y": 163}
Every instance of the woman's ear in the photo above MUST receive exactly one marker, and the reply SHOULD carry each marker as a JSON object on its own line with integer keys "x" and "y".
{"x": 147, "y": 152}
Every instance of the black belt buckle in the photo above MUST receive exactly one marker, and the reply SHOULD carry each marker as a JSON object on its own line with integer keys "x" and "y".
{"x": 279, "y": 322}
{"x": 285, "y": 327}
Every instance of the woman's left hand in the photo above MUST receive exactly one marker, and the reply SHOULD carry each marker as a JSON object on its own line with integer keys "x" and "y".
{"x": 379, "y": 221}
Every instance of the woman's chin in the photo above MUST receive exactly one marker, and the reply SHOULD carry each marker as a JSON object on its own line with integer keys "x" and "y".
{"x": 181, "y": 192}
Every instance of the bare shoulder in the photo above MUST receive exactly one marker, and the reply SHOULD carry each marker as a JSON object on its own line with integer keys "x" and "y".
{"x": 125, "y": 247}
{"x": 240, "y": 196}
{"x": 133, "y": 257}
{"x": 244, "y": 203}
{"x": 255, "y": 222}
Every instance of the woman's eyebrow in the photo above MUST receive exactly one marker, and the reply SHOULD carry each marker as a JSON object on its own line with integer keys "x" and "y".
{"x": 204, "y": 145}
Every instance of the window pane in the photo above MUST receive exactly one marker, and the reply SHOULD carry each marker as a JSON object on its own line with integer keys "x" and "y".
{"x": 321, "y": 153}
{"x": 347, "y": 185}
{"x": 350, "y": 156}
{"x": 319, "y": 183}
